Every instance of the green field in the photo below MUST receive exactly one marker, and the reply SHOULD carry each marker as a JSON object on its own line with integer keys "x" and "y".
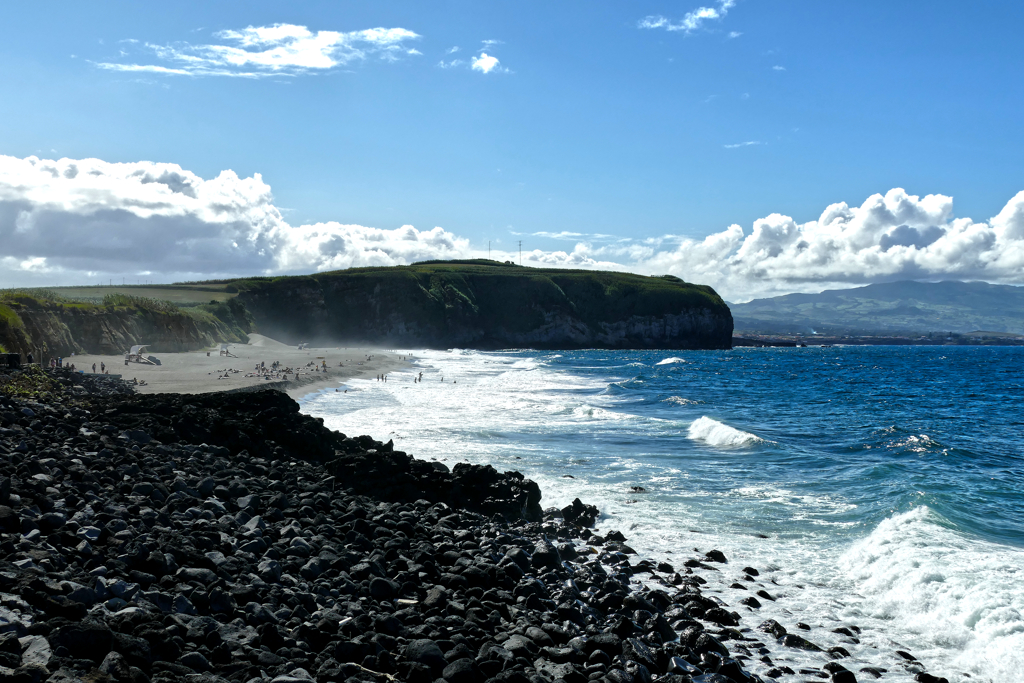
{"x": 179, "y": 294}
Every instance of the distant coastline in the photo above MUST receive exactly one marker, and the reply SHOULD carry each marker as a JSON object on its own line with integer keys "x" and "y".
{"x": 796, "y": 340}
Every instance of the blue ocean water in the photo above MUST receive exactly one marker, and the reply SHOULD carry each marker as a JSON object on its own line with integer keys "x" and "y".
{"x": 875, "y": 486}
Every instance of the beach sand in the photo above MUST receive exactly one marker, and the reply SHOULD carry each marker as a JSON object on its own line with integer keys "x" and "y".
{"x": 196, "y": 373}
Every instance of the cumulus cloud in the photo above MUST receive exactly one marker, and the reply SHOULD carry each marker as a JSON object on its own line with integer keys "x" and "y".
{"x": 692, "y": 21}
{"x": 81, "y": 221}
{"x": 260, "y": 51}
{"x": 87, "y": 220}
{"x": 889, "y": 237}
{"x": 485, "y": 63}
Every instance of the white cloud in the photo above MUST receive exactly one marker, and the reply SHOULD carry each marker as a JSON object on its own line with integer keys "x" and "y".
{"x": 87, "y": 220}
{"x": 281, "y": 49}
{"x": 778, "y": 68}
{"x": 889, "y": 237}
{"x": 692, "y": 21}
{"x": 450, "y": 64}
{"x": 485, "y": 63}
{"x": 748, "y": 143}
{"x": 81, "y": 221}
{"x": 735, "y": 34}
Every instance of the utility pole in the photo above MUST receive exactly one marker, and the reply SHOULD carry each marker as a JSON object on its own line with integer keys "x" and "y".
{"x": 488, "y": 250}
{"x": 520, "y": 252}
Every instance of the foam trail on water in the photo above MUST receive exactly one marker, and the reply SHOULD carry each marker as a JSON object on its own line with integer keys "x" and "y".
{"x": 670, "y": 361}
{"x": 959, "y": 595}
{"x": 715, "y": 433}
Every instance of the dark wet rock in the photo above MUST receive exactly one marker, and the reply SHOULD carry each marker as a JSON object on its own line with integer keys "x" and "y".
{"x": 716, "y": 556}
{"x": 773, "y": 627}
{"x": 579, "y": 513}
{"x": 712, "y": 678}
{"x": 544, "y": 556}
{"x": 799, "y": 642}
{"x": 678, "y": 665}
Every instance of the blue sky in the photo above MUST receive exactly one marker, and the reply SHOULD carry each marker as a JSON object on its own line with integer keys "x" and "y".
{"x": 610, "y": 121}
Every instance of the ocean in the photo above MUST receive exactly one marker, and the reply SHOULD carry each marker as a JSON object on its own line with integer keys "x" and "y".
{"x": 872, "y": 486}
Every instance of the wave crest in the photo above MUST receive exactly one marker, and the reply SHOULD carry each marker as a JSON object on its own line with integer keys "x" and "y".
{"x": 680, "y": 401}
{"x": 954, "y": 592}
{"x": 716, "y": 433}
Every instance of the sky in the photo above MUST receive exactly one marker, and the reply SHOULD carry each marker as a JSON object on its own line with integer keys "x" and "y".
{"x": 756, "y": 146}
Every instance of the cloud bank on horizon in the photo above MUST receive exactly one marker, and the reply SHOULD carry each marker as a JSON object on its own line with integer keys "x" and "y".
{"x": 83, "y": 221}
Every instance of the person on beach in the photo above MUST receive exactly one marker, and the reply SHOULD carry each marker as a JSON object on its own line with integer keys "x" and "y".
{"x": 103, "y": 367}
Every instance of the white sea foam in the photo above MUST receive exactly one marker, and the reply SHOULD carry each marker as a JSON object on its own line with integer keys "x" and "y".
{"x": 586, "y": 412}
{"x": 961, "y": 596}
{"x": 670, "y": 361}
{"x": 715, "y": 433}
{"x": 680, "y": 401}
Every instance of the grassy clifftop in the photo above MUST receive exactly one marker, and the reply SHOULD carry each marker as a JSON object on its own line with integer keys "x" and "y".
{"x": 44, "y": 320}
{"x": 487, "y": 304}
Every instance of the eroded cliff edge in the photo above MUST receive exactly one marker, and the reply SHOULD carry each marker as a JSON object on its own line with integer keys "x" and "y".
{"x": 489, "y": 305}
{"x": 48, "y": 326}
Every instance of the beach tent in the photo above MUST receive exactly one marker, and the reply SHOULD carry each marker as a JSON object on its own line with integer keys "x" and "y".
{"x": 138, "y": 350}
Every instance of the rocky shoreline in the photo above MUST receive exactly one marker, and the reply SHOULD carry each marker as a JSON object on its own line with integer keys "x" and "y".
{"x": 228, "y": 537}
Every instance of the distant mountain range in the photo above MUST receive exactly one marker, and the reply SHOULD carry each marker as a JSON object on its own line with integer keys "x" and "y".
{"x": 894, "y": 307}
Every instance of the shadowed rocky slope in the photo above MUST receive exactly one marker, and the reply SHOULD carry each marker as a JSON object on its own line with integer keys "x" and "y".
{"x": 488, "y": 305}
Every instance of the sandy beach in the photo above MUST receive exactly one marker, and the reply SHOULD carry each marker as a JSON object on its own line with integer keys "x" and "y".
{"x": 198, "y": 373}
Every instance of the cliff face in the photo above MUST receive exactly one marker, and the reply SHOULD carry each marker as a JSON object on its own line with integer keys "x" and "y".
{"x": 60, "y": 329}
{"x": 488, "y": 306}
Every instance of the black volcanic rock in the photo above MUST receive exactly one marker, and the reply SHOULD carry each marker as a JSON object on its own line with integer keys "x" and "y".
{"x": 298, "y": 554}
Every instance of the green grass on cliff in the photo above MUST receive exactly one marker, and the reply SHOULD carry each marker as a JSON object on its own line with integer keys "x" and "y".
{"x": 183, "y": 294}
{"x": 221, "y": 319}
{"x": 483, "y": 300}
{"x": 588, "y": 285}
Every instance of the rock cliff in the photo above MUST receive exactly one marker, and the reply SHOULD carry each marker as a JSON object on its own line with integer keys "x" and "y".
{"x": 489, "y": 305}
{"x": 35, "y": 323}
